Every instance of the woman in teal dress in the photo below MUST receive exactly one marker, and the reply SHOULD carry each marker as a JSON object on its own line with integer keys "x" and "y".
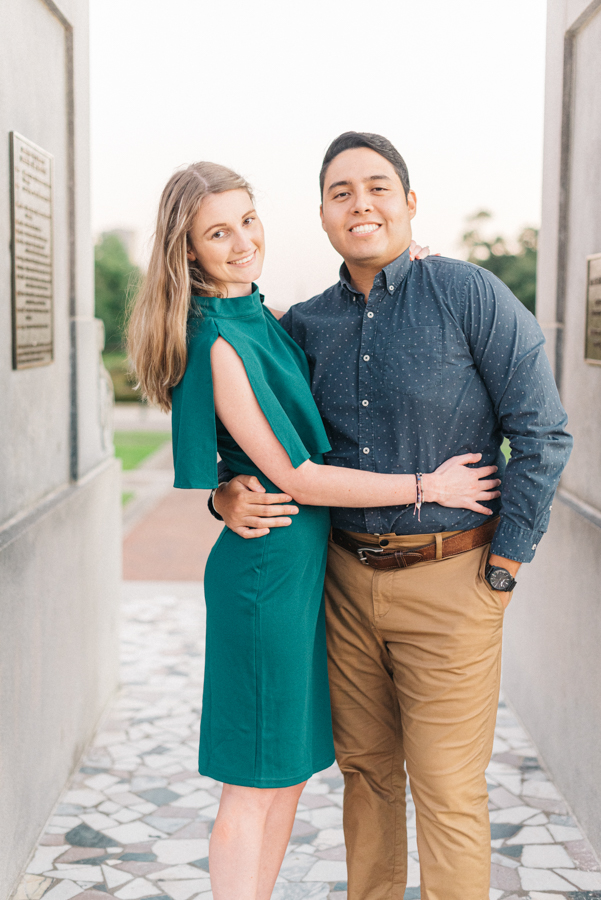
{"x": 203, "y": 343}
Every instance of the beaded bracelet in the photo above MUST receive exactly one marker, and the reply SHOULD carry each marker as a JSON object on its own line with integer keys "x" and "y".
{"x": 419, "y": 496}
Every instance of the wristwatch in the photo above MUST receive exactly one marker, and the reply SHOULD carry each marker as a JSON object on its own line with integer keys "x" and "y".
{"x": 499, "y": 579}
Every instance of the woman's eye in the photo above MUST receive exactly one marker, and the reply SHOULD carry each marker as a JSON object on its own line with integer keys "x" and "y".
{"x": 249, "y": 220}
{"x": 218, "y": 234}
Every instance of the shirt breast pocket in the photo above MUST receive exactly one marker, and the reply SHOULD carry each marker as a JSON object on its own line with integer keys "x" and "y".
{"x": 413, "y": 360}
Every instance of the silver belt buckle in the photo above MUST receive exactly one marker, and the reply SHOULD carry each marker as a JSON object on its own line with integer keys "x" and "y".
{"x": 361, "y": 551}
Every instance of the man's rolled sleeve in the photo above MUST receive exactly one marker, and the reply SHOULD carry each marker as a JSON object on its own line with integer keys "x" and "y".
{"x": 507, "y": 346}
{"x": 223, "y": 476}
{"x": 223, "y": 473}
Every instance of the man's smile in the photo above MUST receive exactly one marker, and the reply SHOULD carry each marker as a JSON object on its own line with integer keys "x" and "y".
{"x": 365, "y": 228}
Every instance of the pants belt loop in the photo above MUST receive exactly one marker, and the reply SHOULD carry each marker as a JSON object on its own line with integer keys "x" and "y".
{"x": 438, "y": 539}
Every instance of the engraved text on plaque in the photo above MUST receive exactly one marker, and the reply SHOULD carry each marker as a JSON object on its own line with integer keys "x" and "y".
{"x": 592, "y": 352}
{"x": 32, "y": 282}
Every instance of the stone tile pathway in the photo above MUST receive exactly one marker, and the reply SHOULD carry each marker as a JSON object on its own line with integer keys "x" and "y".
{"x": 135, "y": 820}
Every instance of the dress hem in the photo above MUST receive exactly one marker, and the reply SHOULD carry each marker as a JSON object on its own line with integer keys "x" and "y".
{"x": 266, "y": 782}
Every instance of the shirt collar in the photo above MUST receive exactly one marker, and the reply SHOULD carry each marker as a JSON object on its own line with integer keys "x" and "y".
{"x": 390, "y": 277}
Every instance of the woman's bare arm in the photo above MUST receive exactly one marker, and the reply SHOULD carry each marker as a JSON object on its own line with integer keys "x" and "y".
{"x": 311, "y": 484}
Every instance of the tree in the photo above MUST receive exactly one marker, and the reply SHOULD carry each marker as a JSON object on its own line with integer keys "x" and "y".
{"x": 515, "y": 265}
{"x": 114, "y": 275}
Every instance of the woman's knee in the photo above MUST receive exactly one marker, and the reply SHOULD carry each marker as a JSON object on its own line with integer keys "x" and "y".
{"x": 243, "y": 797}
{"x": 295, "y": 790}
{"x": 258, "y": 799}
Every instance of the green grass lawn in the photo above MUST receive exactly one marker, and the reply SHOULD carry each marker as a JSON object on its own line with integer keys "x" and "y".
{"x": 131, "y": 447}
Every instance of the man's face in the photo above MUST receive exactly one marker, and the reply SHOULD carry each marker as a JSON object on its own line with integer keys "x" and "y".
{"x": 364, "y": 210}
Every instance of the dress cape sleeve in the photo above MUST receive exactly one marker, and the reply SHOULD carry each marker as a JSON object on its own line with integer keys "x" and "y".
{"x": 301, "y": 434}
{"x": 193, "y": 429}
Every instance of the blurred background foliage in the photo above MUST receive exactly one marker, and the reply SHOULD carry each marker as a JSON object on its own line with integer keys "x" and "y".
{"x": 115, "y": 279}
{"x": 115, "y": 276}
{"x": 513, "y": 261}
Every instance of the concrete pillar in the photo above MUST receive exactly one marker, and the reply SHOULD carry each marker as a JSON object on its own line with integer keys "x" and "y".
{"x": 553, "y": 627}
{"x": 60, "y": 496}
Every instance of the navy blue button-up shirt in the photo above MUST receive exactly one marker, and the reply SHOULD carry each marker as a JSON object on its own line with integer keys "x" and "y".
{"x": 441, "y": 360}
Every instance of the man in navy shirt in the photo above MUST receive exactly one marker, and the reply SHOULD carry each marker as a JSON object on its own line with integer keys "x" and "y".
{"x": 412, "y": 362}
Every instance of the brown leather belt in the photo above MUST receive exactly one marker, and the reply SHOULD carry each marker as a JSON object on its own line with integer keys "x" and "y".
{"x": 401, "y": 559}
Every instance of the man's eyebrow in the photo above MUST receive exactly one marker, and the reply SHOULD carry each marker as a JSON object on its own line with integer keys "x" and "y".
{"x": 224, "y": 224}
{"x": 369, "y": 178}
{"x": 338, "y": 184}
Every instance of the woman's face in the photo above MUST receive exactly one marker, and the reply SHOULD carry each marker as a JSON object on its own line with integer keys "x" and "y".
{"x": 227, "y": 240}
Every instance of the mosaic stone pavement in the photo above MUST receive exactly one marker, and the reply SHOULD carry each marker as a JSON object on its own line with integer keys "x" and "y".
{"x": 135, "y": 820}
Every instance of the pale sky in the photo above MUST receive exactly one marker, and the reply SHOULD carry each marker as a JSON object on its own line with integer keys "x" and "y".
{"x": 264, "y": 86}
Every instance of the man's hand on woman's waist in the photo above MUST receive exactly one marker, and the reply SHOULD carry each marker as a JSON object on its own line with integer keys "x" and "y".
{"x": 249, "y": 510}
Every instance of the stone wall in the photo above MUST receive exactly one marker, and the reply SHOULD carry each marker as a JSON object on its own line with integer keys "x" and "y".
{"x": 553, "y": 628}
{"x": 60, "y": 497}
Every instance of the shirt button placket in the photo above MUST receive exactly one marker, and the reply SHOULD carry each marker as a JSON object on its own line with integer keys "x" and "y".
{"x": 366, "y": 369}
{"x": 365, "y": 425}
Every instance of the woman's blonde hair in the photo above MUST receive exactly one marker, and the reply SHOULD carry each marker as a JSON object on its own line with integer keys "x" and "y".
{"x": 156, "y": 333}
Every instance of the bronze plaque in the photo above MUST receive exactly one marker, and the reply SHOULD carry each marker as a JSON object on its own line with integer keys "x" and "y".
{"x": 32, "y": 276}
{"x": 592, "y": 350}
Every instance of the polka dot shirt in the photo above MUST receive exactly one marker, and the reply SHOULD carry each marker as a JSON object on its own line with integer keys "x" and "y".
{"x": 441, "y": 360}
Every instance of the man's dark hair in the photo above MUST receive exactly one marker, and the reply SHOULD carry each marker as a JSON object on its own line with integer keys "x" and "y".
{"x": 352, "y": 139}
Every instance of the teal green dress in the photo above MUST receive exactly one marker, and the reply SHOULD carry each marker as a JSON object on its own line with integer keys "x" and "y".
{"x": 266, "y": 707}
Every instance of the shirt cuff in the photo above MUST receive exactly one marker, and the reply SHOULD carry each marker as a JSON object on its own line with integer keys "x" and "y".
{"x": 515, "y": 543}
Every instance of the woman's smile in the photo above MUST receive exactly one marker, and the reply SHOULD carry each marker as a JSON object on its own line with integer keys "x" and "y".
{"x": 245, "y": 261}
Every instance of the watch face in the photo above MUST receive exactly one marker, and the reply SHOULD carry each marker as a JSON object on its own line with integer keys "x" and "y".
{"x": 500, "y": 579}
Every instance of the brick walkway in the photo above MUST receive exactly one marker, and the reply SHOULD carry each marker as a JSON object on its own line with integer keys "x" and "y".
{"x": 173, "y": 542}
{"x": 168, "y": 532}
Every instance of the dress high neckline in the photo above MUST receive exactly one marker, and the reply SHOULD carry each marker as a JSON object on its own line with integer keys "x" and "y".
{"x": 230, "y": 307}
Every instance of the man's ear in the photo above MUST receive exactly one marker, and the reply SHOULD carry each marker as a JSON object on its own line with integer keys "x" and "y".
{"x": 321, "y": 216}
{"x": 412, "y": 204}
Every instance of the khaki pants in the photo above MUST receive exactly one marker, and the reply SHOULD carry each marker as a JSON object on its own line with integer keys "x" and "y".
{"x": 414, "y": 660}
